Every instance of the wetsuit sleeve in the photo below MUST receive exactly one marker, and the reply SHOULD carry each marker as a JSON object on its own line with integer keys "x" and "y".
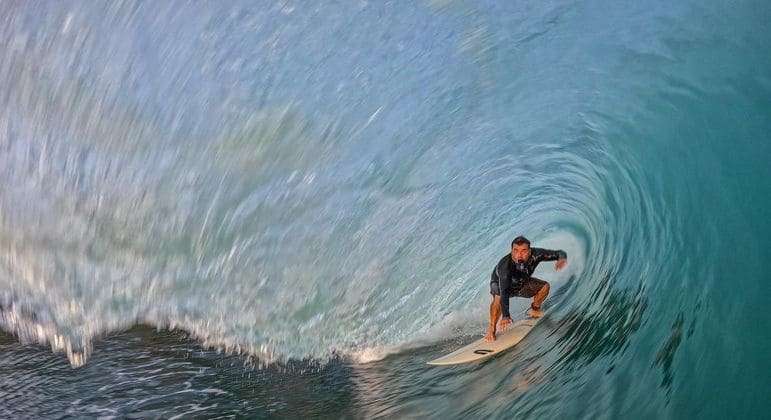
{"x": 549, "y": 254}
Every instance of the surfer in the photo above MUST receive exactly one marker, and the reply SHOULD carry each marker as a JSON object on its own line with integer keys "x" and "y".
{"x": 512, "y": 276}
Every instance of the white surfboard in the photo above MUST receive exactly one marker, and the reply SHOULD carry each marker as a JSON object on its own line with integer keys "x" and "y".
{"x": 480, "y": 350}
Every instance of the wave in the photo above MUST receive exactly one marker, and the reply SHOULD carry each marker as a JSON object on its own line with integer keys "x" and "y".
{"x": 274, "y": 186}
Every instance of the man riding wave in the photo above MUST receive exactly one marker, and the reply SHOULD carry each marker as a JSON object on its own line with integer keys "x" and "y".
{"x": 512, "y": 276}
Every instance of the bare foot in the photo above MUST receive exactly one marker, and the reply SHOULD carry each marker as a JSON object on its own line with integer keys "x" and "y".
{"x": 532, "y": 313}
{"x": 490, "y": 336}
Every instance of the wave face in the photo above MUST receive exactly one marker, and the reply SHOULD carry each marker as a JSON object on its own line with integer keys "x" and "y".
{"x": 309, "y": 182}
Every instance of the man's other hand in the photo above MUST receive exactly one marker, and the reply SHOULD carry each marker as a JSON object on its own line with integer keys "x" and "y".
{"x": 562, "y": 262}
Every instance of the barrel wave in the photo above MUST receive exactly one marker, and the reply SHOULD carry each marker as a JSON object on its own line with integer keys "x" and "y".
{"x": 330, "y": 186}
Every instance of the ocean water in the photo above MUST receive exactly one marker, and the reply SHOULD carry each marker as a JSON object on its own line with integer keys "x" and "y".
{"x": 285, "y": 209}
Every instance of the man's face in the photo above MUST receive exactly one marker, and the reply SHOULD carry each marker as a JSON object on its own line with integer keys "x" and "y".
{"x": 520, "y": 253}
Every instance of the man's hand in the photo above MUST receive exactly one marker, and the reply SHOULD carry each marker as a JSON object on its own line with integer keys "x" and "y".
{"x": 504, "y": 323}
{"x": 562, "y": 262}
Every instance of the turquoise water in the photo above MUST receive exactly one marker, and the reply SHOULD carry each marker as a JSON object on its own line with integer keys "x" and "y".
{"x": 243, "y": 210}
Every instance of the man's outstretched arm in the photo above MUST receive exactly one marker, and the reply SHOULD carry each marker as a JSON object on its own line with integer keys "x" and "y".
{"x": 552, "y": 255}
{"x": 549, "y": 254}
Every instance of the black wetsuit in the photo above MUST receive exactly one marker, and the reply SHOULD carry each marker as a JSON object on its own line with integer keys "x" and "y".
{"x": 514, "y": 279}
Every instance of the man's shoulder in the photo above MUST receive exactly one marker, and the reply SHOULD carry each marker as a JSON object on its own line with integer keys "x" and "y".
{"x": 504, "y": 260}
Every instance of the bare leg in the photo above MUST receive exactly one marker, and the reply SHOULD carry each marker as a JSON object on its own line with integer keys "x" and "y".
{"x": 495, "y": 314}
{"x": 535, "y": 308}
{"x": 541, "y": 296}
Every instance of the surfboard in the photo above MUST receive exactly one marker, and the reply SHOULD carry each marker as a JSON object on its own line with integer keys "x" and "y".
{"x": 480, "y": 349}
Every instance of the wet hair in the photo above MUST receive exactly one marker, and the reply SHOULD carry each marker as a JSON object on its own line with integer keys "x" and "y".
{"x": 520, "y": 240}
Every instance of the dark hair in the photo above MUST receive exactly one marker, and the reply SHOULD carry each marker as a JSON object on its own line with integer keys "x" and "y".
{"x": 520, "y": 240}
